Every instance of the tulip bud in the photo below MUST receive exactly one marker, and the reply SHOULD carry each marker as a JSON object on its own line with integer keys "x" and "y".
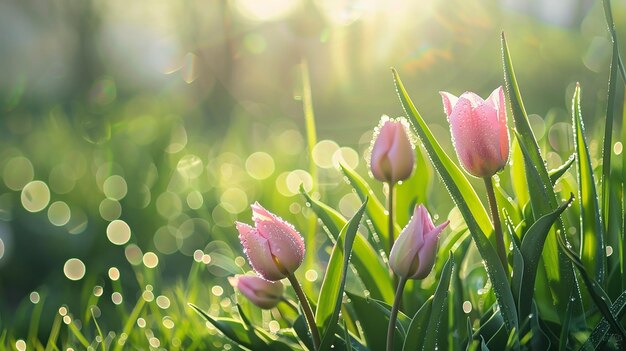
{"x": 393, "y": 156}
{"x": 274, "y": 248}
{"x": 479, "y": 131}
{"x": 413, "y": 254}
{"x": 263, "y": 293}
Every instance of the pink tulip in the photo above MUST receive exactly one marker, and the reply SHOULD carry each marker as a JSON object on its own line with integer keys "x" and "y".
{"x": 479, "y": 131}
{"x": 263, "y": 293}
{"x": 413, "y": 254}
{"x": 393, "y": 156}
{"x": 274, "y": 248}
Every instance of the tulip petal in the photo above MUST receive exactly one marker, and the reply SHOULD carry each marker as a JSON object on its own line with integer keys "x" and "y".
{"x": 497, "y": 100}
{"x": 401, "y": 149}
{"x": 284, "y": 241}
{"x": 449, "y": 101}
{"x": 473, "y": 98}
{"x": 257, "y": 249}
{"x": 428, "y": 251}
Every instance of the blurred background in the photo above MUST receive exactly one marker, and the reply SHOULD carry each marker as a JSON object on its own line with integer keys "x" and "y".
{"x": 133, "y": 134}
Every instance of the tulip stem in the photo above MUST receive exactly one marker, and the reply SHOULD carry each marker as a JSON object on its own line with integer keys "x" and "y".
{"x": 497, "y": 226}
{"x": 390, "y": 227}
{"x": 394, "y": 313}
{"x": 306, "y": 308}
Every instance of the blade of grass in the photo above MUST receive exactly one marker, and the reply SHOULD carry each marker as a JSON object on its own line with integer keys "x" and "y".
{"x": 416, "y": 333}
{"x": 608, "y": 14}
{"x": 370, "y": 268}
{"x": 375, "y": 209}
{"x": 131, "y": 320}
{"x": 557, "y": 173}
{"x": 598, "y": 295}
{"x": 542, "y": 196}
{"x": 469, "y": 205}
{"x": 439, "y": 302}
{"x": 592, "y": 251}
{"x": 54, "y": 333}
{"x": 311, "y": 138}
{"x": 331, "y": 292}
{"x": 102, "y": 343}
{"x": 599, "y": 333}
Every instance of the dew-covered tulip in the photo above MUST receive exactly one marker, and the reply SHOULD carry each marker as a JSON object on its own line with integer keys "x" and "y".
{"x": 413, "y": 254}
{"x": 263, "y": 293}
{"x": 274, "y": 248}
{"x": 479, "y": 131}
{"x": 393, "y": 156}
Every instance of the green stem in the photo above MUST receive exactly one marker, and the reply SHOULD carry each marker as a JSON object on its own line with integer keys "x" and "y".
{"x": 497, "y": 226}
{"x": 390, "y": 228}
{"x": 306, "y": 308}
{"x": 394, "y": 313}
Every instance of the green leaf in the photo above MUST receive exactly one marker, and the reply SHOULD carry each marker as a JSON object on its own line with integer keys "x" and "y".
{"x": 600, "y": 332}
{"x": 598, "y": 295}
{"x": 370, "y": 268}
{"x": 416, "y": 333}
{"x": 373, "y": 316}
{"x": 375, "y": 210}
{"x": 331, "y": 292}
{"x": 542, "y": 196}
{"x": 557, "y": 173}
{"x": 439, "y": 303}
{"x": 592, "y": 231}
{"x": 532, "y": 245}
{"x": 469, "y": 205}
{"x": 234, "y": 330}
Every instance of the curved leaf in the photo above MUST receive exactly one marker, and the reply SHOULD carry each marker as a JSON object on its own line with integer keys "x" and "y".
{"x": 469, "y": 205}
{"x": 375, "y": 209}
{"x": 331, "y": 292}
{"x": 531, "y": 249}
{"x": 439, "y": 303}
{"x": 416, "y": 333}
{"x": 370, "y": 268}
{"x": 542, "y": 196}
{"x": 592, "y": 251}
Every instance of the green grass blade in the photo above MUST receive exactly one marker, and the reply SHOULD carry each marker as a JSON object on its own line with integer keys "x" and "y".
{"x": 370, "y": 268}
{"x": 542, "y": 196}
{"x": 311, "y": 141}
{"x": 413, "y": 190}
{"x": 54, "y": 333}
{"x": 234, "y": 330}
{"x": 439, "y": 302}
{"x": 598, "y": 295}
{"x": 557, "y": 173}
{"x": 375, "y": 209}
{"x": 531, "y": 249}
{"x": 102, "y": 341}
{"x": 600, "y": 332}
{"x": 608, "y": 15}
{"x": 331, "y": 292}
{"x": 416, "y": 333}
{"x": 592, "y": 251}
{"x": 469, "y": 205}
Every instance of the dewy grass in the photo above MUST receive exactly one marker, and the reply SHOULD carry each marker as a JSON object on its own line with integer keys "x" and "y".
{"x": 138, "y": 213}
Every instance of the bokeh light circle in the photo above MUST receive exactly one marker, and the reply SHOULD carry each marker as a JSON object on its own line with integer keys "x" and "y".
{"x": 35, "y": 196}
{"x": 260, "y": 165}
{"x": 18, "y": 171}
{"x": 150, "y": 259}
{"x": 323, "y": 153}
{"x": 118, "y": 232}
{"x": 74, "y": 269}
{"x": 115, "y": 187}
{"x": 59, "y": 213}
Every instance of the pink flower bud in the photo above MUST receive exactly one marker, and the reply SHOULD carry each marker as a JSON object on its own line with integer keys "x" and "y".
{"x": 479, "y": 131}
{"x": 274, "y": 248}
{"x": 263, "y": 293}
{"x": 393, "y": 156}
{"x": 413, "y": 254}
